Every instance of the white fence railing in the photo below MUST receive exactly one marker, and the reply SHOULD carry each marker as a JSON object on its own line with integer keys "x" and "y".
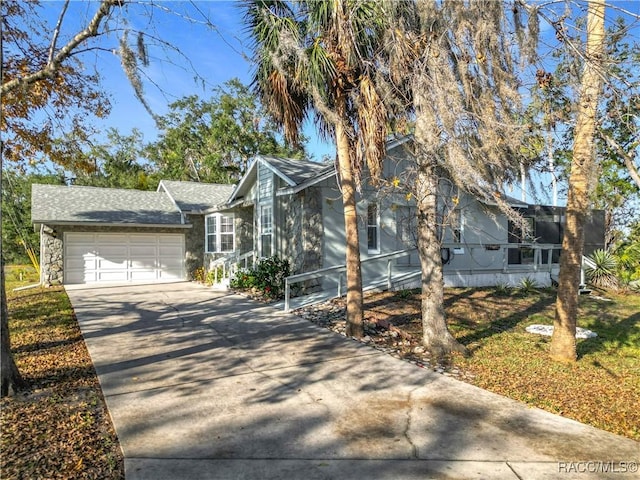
{"x": 538, "y": 263}
{"x": 340, "y": 270}
{"x": 230, "y": 265}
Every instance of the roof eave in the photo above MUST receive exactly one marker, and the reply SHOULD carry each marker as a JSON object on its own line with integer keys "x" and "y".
{"x": 111, "y": 224}
{"x": 266, "y": 163}
{"x": 243, "y": 180}
{"x": 298, "y": 188}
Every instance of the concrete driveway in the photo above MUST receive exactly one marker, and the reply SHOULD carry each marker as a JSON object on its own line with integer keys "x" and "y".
{"x": 206, "y": 385}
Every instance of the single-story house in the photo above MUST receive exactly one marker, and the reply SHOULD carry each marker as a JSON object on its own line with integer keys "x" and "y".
{"x": 290, "y": 208}
{"x": 90, "y": 234}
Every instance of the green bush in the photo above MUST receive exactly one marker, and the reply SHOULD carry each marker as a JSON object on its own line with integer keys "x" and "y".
{"x": 527, "y": 286}
{"x": 603, "y": 275}
{"x": 267, "y": 277}
{"x": 211, "y": 275}
{"x": 243, "y": 279}
{"x": 502, "y": 289}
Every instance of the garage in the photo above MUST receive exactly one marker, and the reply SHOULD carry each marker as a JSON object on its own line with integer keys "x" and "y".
{"x": 123, "y": 257}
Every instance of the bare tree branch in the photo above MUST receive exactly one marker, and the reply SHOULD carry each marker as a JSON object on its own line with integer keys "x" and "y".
{"x": 56, "y": 33}
{"x": 49, "y": 70}
{"x": 626, "y": 158}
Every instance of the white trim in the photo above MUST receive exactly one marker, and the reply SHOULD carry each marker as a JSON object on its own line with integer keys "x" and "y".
{"x": 375, "y": 250}
{"x": 266, "y": 163}
{"x": 243, "y": 180}
{"x": 218, "y": 233}
{"x": 168, "y": 194}
{"x": 306, "y": 183}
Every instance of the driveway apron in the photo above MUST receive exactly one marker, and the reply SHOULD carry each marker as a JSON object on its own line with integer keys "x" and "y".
{"x": 202, "y": 384}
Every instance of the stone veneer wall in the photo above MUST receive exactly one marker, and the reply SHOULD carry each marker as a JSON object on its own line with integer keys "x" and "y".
{"x": 194, "y": 245}
{"x": 244, "y": 229}
{"x": 52, "y": 247}
{"x": 313, "y": 231}
{"x": 51, "y": 257}
{"x": 302, "y": 233}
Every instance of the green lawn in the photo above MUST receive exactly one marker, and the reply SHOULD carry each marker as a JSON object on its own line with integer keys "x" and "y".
{"x": 601, "y": 389}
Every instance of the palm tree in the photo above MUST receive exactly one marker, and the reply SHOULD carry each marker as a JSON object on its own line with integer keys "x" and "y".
{"x": 315, "y": 57}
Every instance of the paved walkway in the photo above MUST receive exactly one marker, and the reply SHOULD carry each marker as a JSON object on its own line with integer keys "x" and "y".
{"x": 206, "y": 385}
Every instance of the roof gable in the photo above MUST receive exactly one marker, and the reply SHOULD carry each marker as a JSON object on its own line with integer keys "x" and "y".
{"x": 56, "y": 204}
{"x": 194, "y": 196}
{"x": 293, "y": 172}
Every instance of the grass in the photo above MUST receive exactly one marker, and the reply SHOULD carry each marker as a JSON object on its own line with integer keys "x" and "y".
{"x": 601, "y": 389}
{"x": 61, "y": 427}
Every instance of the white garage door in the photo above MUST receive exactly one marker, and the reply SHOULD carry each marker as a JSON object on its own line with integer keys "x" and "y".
{"x": 120, "y": 257}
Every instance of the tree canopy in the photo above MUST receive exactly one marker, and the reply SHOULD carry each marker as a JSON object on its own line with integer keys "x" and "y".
{"x": 213, "y": 140}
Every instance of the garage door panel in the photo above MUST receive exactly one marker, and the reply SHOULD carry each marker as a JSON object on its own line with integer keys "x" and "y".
{"x": 77, "y": 249}
{"x": 142, "y": 251}
{"x": 115, "y": 250}
{"x": 113, "y": 263}
{"x": 112, "y": 238}
{"x": 101, "y": 257}
{"x": 170, "y": 264}
{"x": 78, "y": 238}
{"x": 142, "y": 275}
{"x": 144, "y": 263}
{"x": 170, "y": 240}
{"x": 169, "y": 274}
{"x": 87, "y": 262}
{"x": 144, "y": 239}
{"x": 169, "y": 251}
{"x": 112, "y": 276}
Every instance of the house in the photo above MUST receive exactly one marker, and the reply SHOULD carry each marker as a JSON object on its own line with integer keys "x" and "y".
{"x": 293, "y": 209}
{"x": 90, "y": 234}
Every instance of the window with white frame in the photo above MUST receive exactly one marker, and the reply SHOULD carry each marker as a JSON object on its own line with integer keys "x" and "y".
{"x": 373, "y": 228}
{"x": 266, "y": 230}
{"x": 220, "y": 233}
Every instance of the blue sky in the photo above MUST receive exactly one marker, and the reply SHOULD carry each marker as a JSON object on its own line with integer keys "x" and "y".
{"x": 214, "y": 55}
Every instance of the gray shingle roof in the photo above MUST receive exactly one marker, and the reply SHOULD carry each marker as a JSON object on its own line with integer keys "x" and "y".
{"x": 55, "y": 204}
{"x": 196, "y": 197}
{"x": 298, "y": 171}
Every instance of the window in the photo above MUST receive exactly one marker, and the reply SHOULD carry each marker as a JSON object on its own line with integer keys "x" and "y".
{"x": 373, "y": 228}
{"x": 266, "y": 230}
{"x": 220, "y": 233}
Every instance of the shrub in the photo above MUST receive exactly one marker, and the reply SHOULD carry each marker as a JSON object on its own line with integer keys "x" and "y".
{"x": 503, "y": 289}
{"x": 267, "y": 276}
{"x": 242, "y": 279}
{"x": 527, "y": 286}
{"x": 199, "y": 275}
{"x": 211, "y": 275}
{"x": 603, "y": 275}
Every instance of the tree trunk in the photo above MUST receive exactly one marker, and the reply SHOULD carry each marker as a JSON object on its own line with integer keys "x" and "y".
{"x": 435, "y": 334}
{"x": 354, "y": 318}
{"x": 563, "y": 341}
{"x": 11, "y": 379}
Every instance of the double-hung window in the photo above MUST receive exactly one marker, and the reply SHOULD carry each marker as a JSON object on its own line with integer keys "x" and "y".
{"x": 373, "y": 228}
{"x": 220, "y": 233}
{"x": 266, "y": 231}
